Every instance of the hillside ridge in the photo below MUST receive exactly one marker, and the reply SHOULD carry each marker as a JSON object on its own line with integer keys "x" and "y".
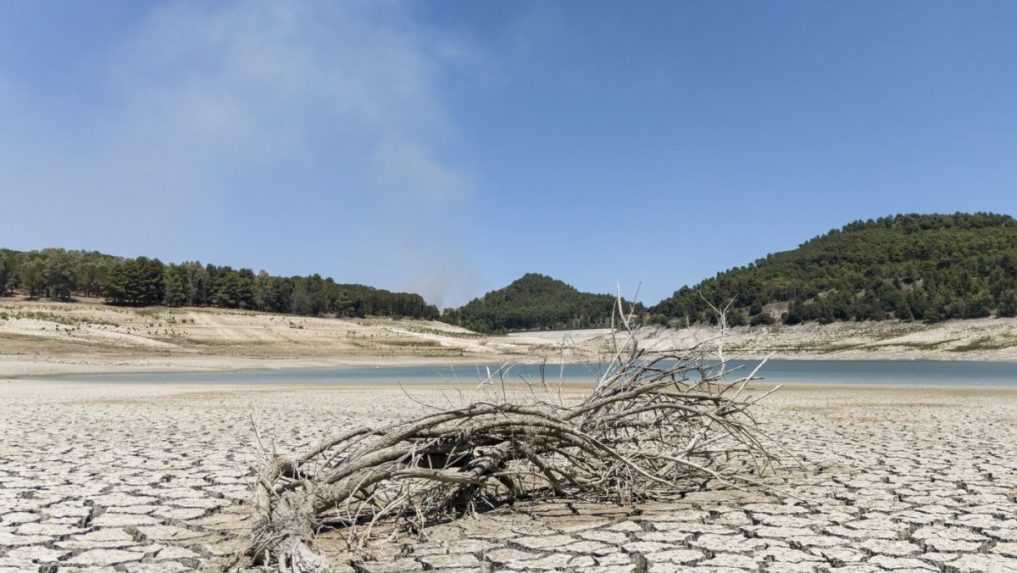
{"x": 62, "y": 275}
{"x": 909, "y": 267}
{"x": 533, "y": 302}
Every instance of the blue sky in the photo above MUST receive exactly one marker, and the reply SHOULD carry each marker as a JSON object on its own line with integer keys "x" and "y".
{"x": 449, "y": 147}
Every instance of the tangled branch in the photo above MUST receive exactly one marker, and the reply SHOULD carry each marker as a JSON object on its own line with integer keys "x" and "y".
{"x": 650, "y": 423}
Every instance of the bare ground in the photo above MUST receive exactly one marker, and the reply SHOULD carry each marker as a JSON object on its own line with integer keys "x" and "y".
{"x": 118, "y": 477}
{"x": 40, "y": 337}
{"x": 977, "y": 339}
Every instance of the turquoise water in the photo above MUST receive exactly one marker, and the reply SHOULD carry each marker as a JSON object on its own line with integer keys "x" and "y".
{"x": 883, "y": 372}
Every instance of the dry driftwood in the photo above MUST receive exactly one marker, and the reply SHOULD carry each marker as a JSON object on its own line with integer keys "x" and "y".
{"x": 651, "y": 421}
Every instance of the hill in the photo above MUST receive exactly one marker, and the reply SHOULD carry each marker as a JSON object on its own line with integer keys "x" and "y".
{"x": 533, "y": 302}
{"x": 909, "y": 267}
{"x": 62, "y": 275}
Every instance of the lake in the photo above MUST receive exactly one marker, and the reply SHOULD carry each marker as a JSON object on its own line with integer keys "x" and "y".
{"x": 882, "y": 372}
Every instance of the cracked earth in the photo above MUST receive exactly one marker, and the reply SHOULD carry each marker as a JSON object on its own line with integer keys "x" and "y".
{"x": 129, "y": 478}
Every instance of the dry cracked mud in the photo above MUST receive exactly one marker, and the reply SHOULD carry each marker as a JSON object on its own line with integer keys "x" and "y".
{"x": 128, "y": 478}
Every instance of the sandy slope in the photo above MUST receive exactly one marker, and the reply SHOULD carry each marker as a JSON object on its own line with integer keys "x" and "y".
{"x": 48, "y": 337}
{"x": 981, "y": 339}
{"x": 87, "y": 336}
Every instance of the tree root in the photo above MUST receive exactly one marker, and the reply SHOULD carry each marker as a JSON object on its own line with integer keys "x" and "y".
{"x": 651, "y": 421}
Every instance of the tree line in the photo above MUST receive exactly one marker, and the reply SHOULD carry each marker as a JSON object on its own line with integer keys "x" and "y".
{"x": 909, "y": 267}
{"x": 61, "y": 275}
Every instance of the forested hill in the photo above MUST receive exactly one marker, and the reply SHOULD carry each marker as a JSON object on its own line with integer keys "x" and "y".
{"x": 62, "y": 275}
{"x": 533, "y": 302}
{"x": 911, "y": 267}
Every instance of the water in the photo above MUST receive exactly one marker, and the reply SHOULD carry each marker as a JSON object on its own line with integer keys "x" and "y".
{"x": 880, "y": 372}
{"x": 891, "y": 372}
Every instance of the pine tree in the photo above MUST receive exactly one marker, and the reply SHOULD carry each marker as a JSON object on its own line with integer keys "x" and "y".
{"x": 1007, "y": 304}
{"x": 32, "y": 276}
{"x": 226, "y": 293}
{"x": 59, "y": 277}
{"x": 300, "y": 301}
{"x": 4, "y": 275}
{"x": 245, "y": 289}
{"x": 794, "y": 314}
{"x": 115, "y": 287}
{"x": 979, "y": 305}
{"x": 177, "y": 291}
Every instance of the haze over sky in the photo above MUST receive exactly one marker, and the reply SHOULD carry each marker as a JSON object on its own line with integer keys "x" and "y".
{"x": 448, "y": 147}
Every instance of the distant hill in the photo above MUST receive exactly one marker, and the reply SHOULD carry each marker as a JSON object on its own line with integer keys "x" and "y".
{"x": 534, "y": 302}
{"x": 911, "y": 267}
{"x": 59, "y": 274}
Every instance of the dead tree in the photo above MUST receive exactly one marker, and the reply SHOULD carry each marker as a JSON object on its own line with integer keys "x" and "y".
{"x": 650, "y": 423}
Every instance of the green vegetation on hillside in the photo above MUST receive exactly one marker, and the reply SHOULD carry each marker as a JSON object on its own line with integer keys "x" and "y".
{"x": 911, "y": 267}
{"x": 60, "y": 275}
{"x": 533, "y": 302}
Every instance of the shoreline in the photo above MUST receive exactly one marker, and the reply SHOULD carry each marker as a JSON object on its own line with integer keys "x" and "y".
{"x": 45, "y": 338}
{"x": 274, "y": 365}
{"x": 258, "y": 380}
{"x": 27, "y": 369}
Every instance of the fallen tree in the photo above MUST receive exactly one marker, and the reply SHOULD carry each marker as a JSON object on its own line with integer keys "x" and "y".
{"x": 651, "y": 421}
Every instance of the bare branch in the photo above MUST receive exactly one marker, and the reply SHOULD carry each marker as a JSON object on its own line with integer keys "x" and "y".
{"x": 651, "y": 421}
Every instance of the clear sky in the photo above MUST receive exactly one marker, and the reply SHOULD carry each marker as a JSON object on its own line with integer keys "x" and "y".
{"x": 448, "y": 147}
